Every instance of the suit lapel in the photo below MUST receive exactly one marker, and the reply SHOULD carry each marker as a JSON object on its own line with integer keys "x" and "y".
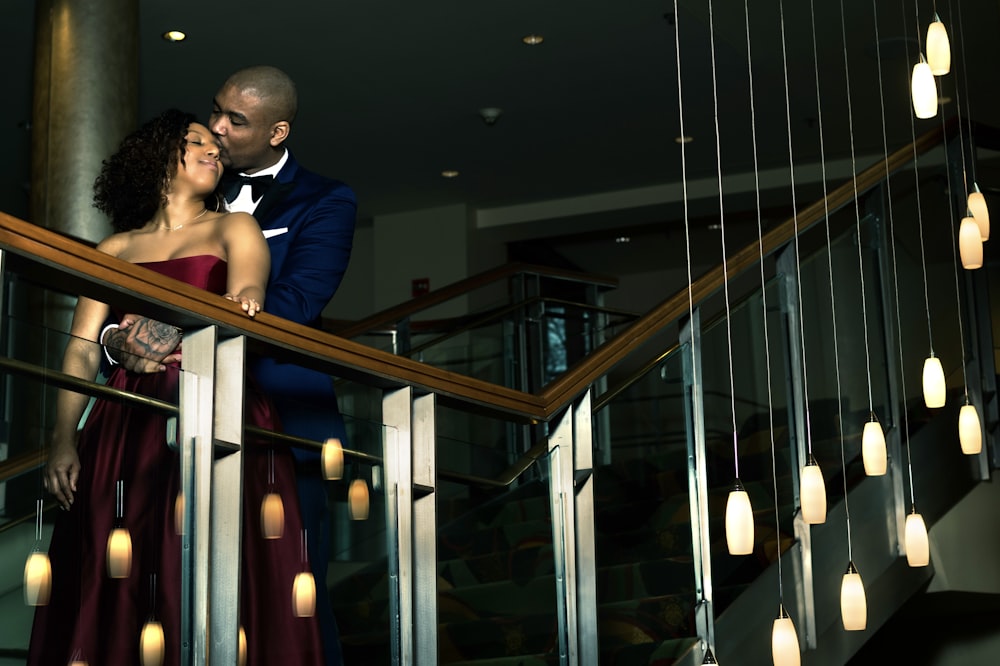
{"x": 274, "y": 196}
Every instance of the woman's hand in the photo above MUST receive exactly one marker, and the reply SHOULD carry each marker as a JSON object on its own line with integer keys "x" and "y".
{"x": 250, "y": 305}
{"x": 62, "y": 472}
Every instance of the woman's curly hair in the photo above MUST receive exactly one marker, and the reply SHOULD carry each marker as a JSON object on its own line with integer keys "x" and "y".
{"x": 133, "y": 182}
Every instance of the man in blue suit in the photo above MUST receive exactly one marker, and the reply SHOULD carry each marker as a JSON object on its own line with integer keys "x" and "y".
{"x": 308, "y": 221}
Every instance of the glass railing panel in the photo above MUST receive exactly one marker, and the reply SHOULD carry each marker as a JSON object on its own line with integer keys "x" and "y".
{"x": 129, "y": 479}
{"x": 645, "y": 578}
{"x": 497, "y": 595}
{"x": 747, "y": 433}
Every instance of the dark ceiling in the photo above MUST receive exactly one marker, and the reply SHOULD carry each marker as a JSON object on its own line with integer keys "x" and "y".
{"x": 390, "y": 90}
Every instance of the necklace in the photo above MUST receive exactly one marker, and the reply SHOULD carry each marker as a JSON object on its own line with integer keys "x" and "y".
{"x": 181, "y": 226}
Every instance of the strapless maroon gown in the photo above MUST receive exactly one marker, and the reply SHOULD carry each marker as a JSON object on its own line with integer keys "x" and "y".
{"x": 99, "y": 618}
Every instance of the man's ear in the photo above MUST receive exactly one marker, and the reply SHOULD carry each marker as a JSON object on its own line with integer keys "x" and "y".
{"x": 280, "y": 132}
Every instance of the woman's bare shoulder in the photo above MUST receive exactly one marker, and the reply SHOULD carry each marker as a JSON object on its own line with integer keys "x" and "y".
{"x": 115, "y": 244}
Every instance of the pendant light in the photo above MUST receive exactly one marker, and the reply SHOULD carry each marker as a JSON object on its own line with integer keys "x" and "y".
{"x": 970, "y": 431}
{"x": 785, "y": 649}
{"x": 37, "y": 579}
{"x": 151, "y": 644}
{"x": 272, "y": 516}
{"x": 272, "y": 509}
{"x": 935, "y": 391}
{"x": 915, "y": 538}
{"x": 304, "y": 586}
{"x": 853, "y": 603}
{"x": 938, "y": 47}
{"x": 923, "y": 90}
{"x": 38, "y": 568}
{"x": 873, "y": 452}
{"x": 357, "y": 499}
{"x": 333, "y": 459}
{"x": 739, "y": 521}
{"x": 119, "y": 550}
{"x": 242, "y": 642}
{"x": 304, "y": 594}
{"x": 979, "y": 210}
{"x": 179, "y": 513}
{"x": 970, "y": 243}
{"x": 813, "y": 493}
{"x": 78, "y": 659}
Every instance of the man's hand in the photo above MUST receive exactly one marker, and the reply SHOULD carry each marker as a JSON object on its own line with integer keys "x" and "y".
{"x": 143, "y": 345}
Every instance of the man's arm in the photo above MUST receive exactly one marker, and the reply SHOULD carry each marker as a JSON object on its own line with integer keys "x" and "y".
{"x": 143, "y": 345}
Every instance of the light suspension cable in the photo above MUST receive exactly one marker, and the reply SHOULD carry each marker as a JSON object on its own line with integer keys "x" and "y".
{"x": 873, "y": 440}
{"x": 739, "y": 514}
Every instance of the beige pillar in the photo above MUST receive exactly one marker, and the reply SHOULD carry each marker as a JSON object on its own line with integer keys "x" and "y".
{"x": 86, "y": 101}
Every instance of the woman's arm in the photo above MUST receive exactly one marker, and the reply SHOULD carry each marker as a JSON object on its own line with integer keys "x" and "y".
{"x": 81, "y": 359}
{"x": 249, "y": 261}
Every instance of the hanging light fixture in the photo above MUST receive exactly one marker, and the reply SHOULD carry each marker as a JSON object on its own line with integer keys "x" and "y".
{"x": 970, "y": 432}
{"x": 119, "y": 553}
{"x": 37, "y": 579}
{"x": 739, "y": 521}
{"x": 813, "y": 493}
{"x": 272, "y": 516}
{"x": 873, "y": 448}
{"x": 78, "y": 659}
{"x": 935, "y": 391}
{"x": 938, "y": 48}
{"x": 979, "y": 210}
{"x": 151, "y": 644}
{"x": 970, "y": 243}
{"x": 357, "y": 499}
{"x": 853, "y": 603}
{"x": 784, "y": 641}
{"x": 917, "y": 546}
{"x": 242, "y": 656}
{"x": 304, "y": 594}
{"x": 923, "y": 90}
{"x": 333, "y": 459}
{"x": 179, "y": 513}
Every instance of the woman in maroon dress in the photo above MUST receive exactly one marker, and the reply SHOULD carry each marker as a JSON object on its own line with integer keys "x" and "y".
{"x": 119, "y": 471}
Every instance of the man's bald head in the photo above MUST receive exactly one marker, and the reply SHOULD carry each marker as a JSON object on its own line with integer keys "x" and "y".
{"x": 274, "y": 88}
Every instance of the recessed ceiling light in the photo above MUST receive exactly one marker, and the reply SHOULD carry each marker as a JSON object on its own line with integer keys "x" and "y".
{"x": 683, "y": 139}
{"x": 449, "y": 173}
{"x": 174, "y": 36}
{"x": 532, "y": 39}
{"x": 622, "y": 240}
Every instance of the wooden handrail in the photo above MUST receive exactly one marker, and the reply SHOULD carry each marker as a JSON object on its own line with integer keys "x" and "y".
{"x": 575, "y": 380}
{"x": 47, "y": 256}
{"x": 389, "y": 317}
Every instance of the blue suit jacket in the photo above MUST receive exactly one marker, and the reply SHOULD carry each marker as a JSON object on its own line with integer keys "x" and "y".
{"x": 309, "y": 224}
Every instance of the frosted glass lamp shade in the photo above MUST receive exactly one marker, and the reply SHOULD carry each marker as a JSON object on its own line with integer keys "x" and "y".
{"x": 79, "y": 662}
{"x": 37, "y": 579}
{"x": 853, "y": 603}
{"x": 980, "y": 211}
{"x": 918, "y": 552}
{"x": 970, "y": 244}
{"x": 923, "y": 90}
{"x": 785, "y": 642}
{"x": 938, "y": 48}
{"x": 357, "y": 499}
{"x": 179, "y": 513}
{"x": 934, "y": 386}
{"x": 970, "y": 433}
{"x": 151, "y": 644}
{"x": 119, "y": 553}
{"x": 242, "y": 656}
{"x": 873, "y": 449}
{"x": 304, "y": 595}
{"x": 813, "y": 493}
{"x": 272, "y": 516}
{"x": 739, "y": 521}
{"x": 333, "y": 459}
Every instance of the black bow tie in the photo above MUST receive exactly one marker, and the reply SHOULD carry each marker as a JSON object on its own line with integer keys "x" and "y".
{"x": 232, "y": 185}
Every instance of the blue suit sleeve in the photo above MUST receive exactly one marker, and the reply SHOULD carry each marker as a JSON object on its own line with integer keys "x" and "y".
{"x": 316, "y": 261}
